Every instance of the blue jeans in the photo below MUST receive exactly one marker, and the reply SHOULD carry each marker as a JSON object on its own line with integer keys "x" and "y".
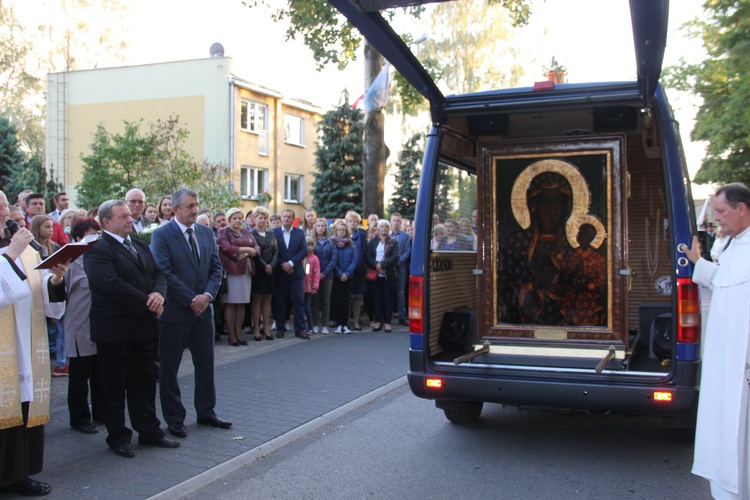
{"x": 55, "y": 331}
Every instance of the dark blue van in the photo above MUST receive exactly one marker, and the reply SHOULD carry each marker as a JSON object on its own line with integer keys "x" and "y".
{"x": 547, "y": 266}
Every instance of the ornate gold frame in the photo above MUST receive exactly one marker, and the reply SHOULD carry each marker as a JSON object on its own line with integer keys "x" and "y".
{"x": 516, "y": 164}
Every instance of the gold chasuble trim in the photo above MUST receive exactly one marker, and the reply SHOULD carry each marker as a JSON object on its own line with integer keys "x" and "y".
{"x": 10, "y": 410}
{"x": 40, "y": 368}
{"x": 10, "y": 404}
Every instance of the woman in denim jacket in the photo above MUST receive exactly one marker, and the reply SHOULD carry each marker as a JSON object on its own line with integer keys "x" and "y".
{"x": 346, "y": 263}
{"x": 326, "y": 253}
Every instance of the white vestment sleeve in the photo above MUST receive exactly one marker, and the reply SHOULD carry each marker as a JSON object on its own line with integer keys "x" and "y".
{"x": 704, "y": 272}
{"x": 13, "y": 287}
{"x": 54, "y": 310}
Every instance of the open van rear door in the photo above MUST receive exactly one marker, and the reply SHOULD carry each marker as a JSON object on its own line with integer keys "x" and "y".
{"x": 649, "y": 19}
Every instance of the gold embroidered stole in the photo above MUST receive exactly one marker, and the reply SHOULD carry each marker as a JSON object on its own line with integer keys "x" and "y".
{"x": 10, "y": 411}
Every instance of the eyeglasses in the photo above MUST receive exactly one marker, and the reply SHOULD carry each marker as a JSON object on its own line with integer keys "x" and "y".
{"x": 137, "y": 202}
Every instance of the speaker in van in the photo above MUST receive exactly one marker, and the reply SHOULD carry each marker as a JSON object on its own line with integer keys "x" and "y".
{"x": 494, "y": 124}
{"x": 456, "y": 328}
{"x": 615, "y": 118}
{"x": 655, "y": 328}
{"x": 661, "y": 336}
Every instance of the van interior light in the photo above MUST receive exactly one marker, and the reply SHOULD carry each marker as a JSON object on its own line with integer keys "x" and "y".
{"x": 662, "y": 396}
{"x": 435, "y": 383}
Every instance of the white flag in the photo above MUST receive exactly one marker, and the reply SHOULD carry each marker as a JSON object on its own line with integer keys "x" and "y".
{"x": 377, "y": 95}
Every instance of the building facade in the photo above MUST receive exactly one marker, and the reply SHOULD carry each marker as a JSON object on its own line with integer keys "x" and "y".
{"x": 266, "y": 138}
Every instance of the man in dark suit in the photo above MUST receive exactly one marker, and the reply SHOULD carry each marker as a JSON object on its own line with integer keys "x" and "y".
{"x": 290, "y": 274}
{"x": 189, "y": 257}
{"x": 127, "y": 297}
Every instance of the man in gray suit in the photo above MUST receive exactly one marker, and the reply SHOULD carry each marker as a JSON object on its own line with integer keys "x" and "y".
{"x": 136, "y": 201}
{"x": 187, "y": 254}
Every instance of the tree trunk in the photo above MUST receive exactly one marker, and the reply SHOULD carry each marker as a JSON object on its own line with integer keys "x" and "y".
{"x": 374, "y": 143}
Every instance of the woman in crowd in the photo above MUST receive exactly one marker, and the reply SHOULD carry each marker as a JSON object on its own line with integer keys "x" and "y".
{"x": 236, "y": 246}
{"x": 346, "y": 263}
{"x": 359, "y": 240}
{"x": 151, "y": 213}
{"x": 326, "y": 253}
{"x": 66, "y": 219}
{"x": 453, "y": 240}
{"x": 249, "y": 221}
{"x": 308, "y": 221}
{"x": 438, "y": 233}
{"x": 265, "y": 262}
{"x": 41, "y": 228}
{"x": 163, "y": 211}
{"x": 466, "y": 230}
{"x": 409, "y": 229}
{"x": 372, "y": 226}
{"x": 81, "y": 351}
{"x": 382, "y": 255}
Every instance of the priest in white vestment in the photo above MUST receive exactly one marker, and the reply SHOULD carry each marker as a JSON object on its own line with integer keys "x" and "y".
{"x": 27, "y": 297}
{"x": 721, "y": 438}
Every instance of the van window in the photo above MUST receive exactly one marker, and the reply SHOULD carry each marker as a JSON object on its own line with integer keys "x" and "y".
{"x": 454, "y": 210}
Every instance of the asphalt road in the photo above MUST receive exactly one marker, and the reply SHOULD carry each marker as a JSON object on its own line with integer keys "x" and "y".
{"x": 402, "y": 447}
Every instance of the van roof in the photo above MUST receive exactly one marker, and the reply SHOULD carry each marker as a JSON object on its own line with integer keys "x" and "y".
{"x": 649, "y": 20}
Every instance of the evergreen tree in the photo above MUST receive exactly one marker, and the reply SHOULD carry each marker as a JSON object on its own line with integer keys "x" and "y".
{"x": 17, "y": 170}
{"x": 11, "y": 156}
{"x": 445, "y": 192}
{"x": 408, "y": 170}
{"x": 337, "y": 187}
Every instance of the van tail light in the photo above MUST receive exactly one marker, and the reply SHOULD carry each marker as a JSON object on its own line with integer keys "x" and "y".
{"x": 688, "y": 311}
{"x": 416, "y": 303}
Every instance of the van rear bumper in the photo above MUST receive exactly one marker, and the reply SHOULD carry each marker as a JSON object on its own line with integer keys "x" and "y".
{"x": 621, "y": 397}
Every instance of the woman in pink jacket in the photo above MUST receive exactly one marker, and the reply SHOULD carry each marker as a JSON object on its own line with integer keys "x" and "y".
{"x": 236, "y": 246}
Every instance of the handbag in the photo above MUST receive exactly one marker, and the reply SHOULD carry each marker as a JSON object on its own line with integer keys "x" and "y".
{"x": 372, "y": 274}
{"x": 224, "y": 287}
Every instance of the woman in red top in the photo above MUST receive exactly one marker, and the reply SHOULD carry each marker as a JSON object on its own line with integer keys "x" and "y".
{"x": 236, "y": 245}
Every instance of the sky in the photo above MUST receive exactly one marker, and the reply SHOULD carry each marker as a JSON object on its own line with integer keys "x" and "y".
{"x": 592, "y": 38}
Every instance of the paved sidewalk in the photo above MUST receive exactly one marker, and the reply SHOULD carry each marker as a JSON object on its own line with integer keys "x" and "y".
{"x": 266, "y": 389}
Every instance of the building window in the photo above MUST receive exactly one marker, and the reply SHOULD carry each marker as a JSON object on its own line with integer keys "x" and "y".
{"x": 254, "y": 118}
{"x": 293, "y": 188}
{"x": 294, "y": 130}
{"x": 253, "y": 181}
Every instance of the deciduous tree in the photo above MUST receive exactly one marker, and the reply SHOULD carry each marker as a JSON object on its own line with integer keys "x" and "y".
{"x": 153, "y": 160}
{"x": 722, "y": 80}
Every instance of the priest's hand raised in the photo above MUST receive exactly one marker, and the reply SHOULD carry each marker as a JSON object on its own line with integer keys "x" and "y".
{"x": 18, "y": 243}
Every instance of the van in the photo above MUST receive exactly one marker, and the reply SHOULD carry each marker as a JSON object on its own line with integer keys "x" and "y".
{"x": 571, "y": 288}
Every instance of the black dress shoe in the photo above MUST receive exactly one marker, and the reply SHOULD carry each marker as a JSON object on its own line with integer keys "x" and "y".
{"x": 163, "y": 442}
{"x": 124, "y": 450}
{"x": 85, "y": 427}
{"x": 403, "y": 322}
{"x": 279, "y": 335}
{"x": 177, "y": 430}
{"x": 28, "y": 488}
{"x": 302, "y": 335}
{"x": 215, "y": 422}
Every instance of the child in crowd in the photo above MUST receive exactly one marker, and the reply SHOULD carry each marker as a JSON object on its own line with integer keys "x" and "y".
{"x": 311, "y": 281}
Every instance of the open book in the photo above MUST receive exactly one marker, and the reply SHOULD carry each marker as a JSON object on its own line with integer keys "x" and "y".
{"x": 69, "y": 252}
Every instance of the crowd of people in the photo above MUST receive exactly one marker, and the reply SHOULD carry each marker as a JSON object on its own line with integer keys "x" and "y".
{"x": 167, "y": 276}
